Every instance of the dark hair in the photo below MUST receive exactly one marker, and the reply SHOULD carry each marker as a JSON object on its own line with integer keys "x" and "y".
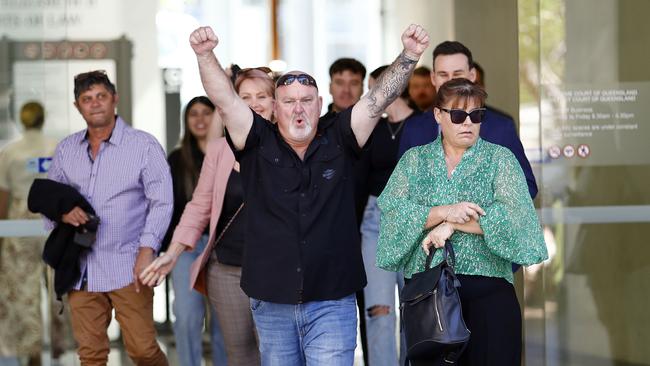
{"x": 460, "y": 91}
{"x": 189, "y": 143}
{"x": 32, "y": 115}
{"x": 376, "y": 73}
{"x": 447, "y": 48}
{"x": 348, "y": 64}
{"x": 422, "y": 71}
{"x": 480, "y": 74}
{"x": 234, "y": 71}
{"x": 84, "y": 81}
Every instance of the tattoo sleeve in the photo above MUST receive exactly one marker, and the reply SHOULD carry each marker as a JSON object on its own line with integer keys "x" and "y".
{"x": 390, "y": 85}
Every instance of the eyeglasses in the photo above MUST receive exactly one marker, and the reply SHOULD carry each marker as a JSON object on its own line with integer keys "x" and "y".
{"x": 459, "y": 116}
{"x": 288, "y": 79}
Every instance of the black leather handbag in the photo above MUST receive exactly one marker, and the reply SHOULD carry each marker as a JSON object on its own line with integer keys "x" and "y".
{"x": 432, "y": 316}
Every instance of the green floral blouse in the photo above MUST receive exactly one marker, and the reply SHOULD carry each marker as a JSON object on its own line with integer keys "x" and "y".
{"x": 488, "y": 175}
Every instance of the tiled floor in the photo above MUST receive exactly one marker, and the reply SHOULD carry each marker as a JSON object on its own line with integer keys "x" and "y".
{"x": 118, "y": 357}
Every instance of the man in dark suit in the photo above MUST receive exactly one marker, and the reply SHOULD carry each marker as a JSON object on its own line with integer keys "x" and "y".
{"x": 451, "y": 60}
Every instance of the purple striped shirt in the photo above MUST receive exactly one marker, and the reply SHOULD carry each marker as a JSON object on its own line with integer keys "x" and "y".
{"x": 130, "y": 187}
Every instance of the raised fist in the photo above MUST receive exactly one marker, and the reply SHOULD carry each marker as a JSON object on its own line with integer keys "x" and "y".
{"x": 415, "y": 40}
{"x": 203, "y": 40}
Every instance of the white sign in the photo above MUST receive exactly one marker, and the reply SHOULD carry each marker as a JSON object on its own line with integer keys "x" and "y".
{"x": 603, "y": 124}
{"x": 55, "y": 19}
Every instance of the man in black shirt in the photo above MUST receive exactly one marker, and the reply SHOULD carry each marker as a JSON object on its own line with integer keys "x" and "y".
{"x": 421, "y": 90}
{"x": 302, "y": 260}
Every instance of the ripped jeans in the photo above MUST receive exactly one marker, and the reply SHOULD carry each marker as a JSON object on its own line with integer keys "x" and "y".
{"x": 379, "y": 296}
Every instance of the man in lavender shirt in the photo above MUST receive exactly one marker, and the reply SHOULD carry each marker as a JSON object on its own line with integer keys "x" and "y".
{"x": 122, "y": 172}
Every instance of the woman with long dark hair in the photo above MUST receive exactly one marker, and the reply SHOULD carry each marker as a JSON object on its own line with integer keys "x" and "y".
{"x": 189, "y": 306}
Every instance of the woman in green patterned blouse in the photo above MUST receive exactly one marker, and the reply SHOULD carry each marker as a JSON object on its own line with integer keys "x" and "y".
{"x": 472, "y": 192}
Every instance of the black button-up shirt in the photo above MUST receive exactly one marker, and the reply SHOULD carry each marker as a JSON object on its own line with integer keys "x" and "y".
{"x": 302, "y": 239}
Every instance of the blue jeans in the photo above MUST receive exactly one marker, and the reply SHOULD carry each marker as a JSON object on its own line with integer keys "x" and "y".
{"x": 189, "y": 309}
{"x": 313, "y": 333}
{"x": 380, "y": 291}
{"x": 9, "y": 361}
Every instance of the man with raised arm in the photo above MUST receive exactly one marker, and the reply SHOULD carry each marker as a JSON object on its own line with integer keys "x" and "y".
{"x": 302, "y": 264}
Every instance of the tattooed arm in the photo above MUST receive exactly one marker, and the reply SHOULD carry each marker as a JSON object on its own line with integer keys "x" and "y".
{"x": 390, "y": 85}
{"x": 235, "y": 113}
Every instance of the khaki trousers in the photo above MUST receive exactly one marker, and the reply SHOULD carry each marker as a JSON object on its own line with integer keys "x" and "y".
{"x": 91, "y": 315}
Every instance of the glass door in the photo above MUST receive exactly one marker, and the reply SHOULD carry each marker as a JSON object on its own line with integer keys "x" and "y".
{"x": 584, "y": 92}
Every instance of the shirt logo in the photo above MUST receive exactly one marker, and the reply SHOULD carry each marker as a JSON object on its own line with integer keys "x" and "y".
{"x": 329, "y": 174}
{"x": 38, "y": 165}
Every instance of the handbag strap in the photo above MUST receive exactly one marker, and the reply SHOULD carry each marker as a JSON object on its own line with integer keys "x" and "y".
{"x": 448, "y": 255}
{"x": 221, "y": 234}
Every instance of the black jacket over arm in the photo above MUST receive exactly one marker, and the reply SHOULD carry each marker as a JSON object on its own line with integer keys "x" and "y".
{"x": 52, "y": 200}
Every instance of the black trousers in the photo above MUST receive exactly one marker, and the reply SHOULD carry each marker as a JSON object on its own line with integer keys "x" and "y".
{"x": 491, "y": 312}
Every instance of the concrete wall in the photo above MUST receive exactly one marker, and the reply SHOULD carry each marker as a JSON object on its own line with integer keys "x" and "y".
{"x": 490, "y": 29}
{"x": 436, "y": 16}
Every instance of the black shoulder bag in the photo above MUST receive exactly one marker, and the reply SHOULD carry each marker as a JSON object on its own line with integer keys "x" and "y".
{"x": 432, "y": 316}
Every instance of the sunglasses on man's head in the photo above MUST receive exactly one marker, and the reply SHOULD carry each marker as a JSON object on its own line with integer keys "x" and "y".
{"x": 288, "y": 79}
{"x": 459, "y": 116}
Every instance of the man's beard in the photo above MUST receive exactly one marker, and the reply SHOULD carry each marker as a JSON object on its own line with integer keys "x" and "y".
{"x": 300, "y": 133}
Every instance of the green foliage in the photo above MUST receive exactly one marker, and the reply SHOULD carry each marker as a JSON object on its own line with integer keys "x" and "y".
{"x": 542, "y": 46}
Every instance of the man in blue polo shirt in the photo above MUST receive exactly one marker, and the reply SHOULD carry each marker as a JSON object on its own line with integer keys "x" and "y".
{"x": 451, "y": 60}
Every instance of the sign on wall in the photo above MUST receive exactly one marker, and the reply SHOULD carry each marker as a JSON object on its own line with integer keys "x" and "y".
{"x": 596, "y": 125}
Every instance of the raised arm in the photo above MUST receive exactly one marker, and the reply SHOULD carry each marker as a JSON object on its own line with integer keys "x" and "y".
{"x": 216, "y": 127}
{"x": 390, "y": 85}
{"x": 237, "y": 116}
